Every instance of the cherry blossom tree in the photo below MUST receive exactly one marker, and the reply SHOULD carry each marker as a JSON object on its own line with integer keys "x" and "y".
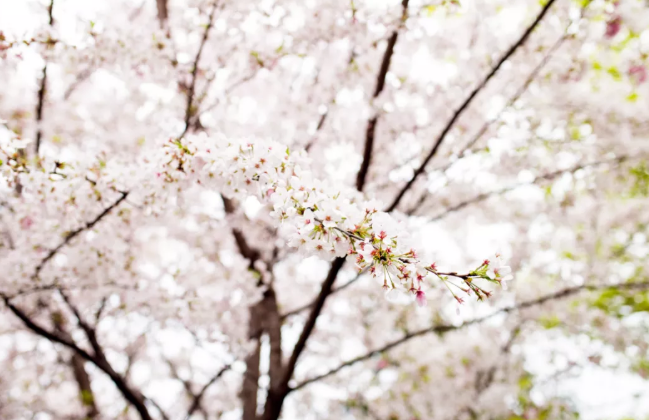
{"x": 323, "y": 210}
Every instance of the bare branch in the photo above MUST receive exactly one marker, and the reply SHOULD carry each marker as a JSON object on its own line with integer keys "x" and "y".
{"x": 335, "y": 290}
{"x": 163, "y": 12}
{"x": 273, "y": 327}
{"x": 380, "y": 84}
{"x": 30, "y": 324}
{"x": 39, "y": 108}
{"x": 70, "y": 236}
{"x": 77, "y": 364}
{"x": 100, "y": 360}
{"x": 249, "y": 387}
{"x": 157, "y": 407}
{"x": 465, "y": 105}
{"x": 198, "y": 397}
{"x": 189, "y": 110}
{"x": 87, "y": 329}
{"x": 41, "y": 91}
{"x": 277, "y": 396}
{"x": 442, "y": 329}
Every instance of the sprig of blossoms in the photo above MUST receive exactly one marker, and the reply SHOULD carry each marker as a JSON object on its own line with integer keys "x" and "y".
{"x": 315, "y": 217}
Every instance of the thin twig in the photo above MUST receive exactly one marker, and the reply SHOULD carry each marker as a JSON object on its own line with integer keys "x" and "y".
{"x": 335, "y": 290}
{"x": 198, "y": 397}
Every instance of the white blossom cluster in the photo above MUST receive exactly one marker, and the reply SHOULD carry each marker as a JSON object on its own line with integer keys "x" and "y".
{"x": 315, "y": 217}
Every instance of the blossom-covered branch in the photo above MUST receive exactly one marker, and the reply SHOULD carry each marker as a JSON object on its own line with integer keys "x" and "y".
{"x": 313, "y": 216}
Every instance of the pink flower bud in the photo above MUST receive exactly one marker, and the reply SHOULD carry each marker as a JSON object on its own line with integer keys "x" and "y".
{"x": 421, "y": 298}
{"x": 638, "y": 74}
{"x": 613, "y": 26}
{"x": 26, "y": 222}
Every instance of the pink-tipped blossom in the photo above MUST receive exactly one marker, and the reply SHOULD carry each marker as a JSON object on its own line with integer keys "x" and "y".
{"x": 638, "y": 74}
{"x": 421, "y": 298}
{"x": 26, "y": 222}
{"x": 613, "y": 26}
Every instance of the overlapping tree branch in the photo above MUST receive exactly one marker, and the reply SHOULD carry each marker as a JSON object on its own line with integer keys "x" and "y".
{"x": 197, "y": 398}
{"x": 133, "y": 396}
{"x": 70, "y": 236}
{"x": 190, "y": 111}
{"x": 370, "y": 130}
{"x": 444, "y": 328}
{"x": 42, "y": 89}
{"x": 456, "y": 115}
{"x": 276, "y": 396}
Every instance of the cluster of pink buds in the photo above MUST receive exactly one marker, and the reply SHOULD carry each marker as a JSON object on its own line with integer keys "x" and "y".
{"x": 493, "y": 270}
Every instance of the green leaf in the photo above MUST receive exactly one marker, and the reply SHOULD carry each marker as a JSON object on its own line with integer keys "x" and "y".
{"x": 615, "y": 73}
{"x": 550, "y": 322}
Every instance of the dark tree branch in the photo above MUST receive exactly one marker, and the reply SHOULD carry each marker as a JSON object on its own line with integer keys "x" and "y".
{"x": 189, "y": 110}
{"x": 42, "y": 88}
{"x": 310, "y": 304}
{"x": 196, "y": 403}
{"x": 465, "y": 105}
{"x": 370, "y": 130}
{"x": 249, "y": 388}
{"x": 39, "y": 108}
{"x": 163, "y": 12}
{"x": 273, "y": 327}
{"x": 70, "y": 236}
{"x": 53, "y": 337}
{"x": 100, "y": 360}
{"x": 442, "y": 329}
{"x": 133, "y": 397}
{"x": 77, "y": 363}
{"x": 50, "y": 11}
{"x": 276, "y": 396}
{"x": 160, "y": 410}
{"x": 87, "y": 329}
